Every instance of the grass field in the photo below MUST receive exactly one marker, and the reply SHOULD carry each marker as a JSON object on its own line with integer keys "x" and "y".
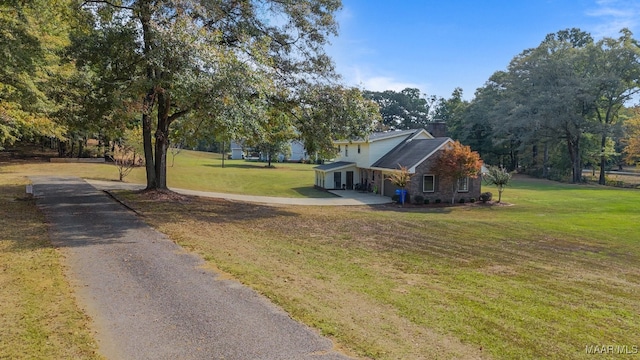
{"x": 38, "y": 315}
{"x": 196, "y": 170}
{"x": 546, "y": 277}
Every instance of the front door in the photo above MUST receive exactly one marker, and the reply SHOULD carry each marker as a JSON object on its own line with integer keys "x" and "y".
{"x": 350, "y": 180}
{"x": 337, "y": 180}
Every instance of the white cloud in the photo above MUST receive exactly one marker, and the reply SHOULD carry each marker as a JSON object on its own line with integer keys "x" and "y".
{"x": 381, "y": 83}
{"x": 365, "y": 79}
{"x": 614, "y": 15}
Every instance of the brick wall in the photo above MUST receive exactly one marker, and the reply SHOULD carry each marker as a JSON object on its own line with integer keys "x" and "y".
{"x": 443, "y": 190}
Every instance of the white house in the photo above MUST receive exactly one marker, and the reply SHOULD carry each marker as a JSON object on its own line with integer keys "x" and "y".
{"x": 364, "y": 164}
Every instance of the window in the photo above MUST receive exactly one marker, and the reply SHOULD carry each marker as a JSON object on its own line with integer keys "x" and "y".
{"x": 463, "y": 184}
{"x": 429, "y": 183}
{"x": 346, "y": 150}
{"x": 358, "y": 148}
{"x": 339, "y": 149}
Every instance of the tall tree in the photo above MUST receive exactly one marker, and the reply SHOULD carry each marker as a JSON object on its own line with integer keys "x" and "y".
{"x": 451, "y": 111}
{"x": 407, "y": 109}
{"x": 615, "y": 81}
{"x": 632, "y": 139}
{"x": 207, "y": 57}
{"x": 32, "y": 35}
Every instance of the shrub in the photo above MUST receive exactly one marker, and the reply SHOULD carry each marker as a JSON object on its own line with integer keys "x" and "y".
{"x": 438, "y": 201}
{"x": 472, "y": 200}
{"x": 486, "y": 196}
{"x": 419, "y": 199}
{"x": 461, "y": 201}
{"x": 426, "y": 201}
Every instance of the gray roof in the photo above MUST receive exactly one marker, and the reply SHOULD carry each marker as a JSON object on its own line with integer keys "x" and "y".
{"x": 381, "y": 135}
{"x": 388, "y": 134}
{"x": 409, "y": 153}
{"x": 334, "y": 166}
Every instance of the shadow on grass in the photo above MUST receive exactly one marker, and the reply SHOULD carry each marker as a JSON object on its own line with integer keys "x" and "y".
{"x": 211, "y": 210}
{"x": 242, "y": 166}
{"x": 410, "y": 208}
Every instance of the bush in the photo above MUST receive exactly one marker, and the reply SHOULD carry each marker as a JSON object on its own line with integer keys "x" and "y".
{"x": 486, "y": 196}
{"x": 438, "y": 201}
{"x": 426, "y": 201}
{"x": 461, "y": 201}
{"x": 472, "y": 200}
{"x": 419, "y": 199}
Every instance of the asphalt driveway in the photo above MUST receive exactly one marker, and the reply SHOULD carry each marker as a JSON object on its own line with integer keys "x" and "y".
{"x": 149, "y": 299}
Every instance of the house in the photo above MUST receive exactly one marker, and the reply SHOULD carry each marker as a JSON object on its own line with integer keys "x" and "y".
{"x": 237, "y": 153}
{"x": 366, "y": 163}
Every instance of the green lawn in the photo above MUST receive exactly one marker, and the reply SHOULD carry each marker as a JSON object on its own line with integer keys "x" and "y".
{"x": 544, "y": 278}
{"x": 39, "y": 318}
{"x": 554, "y": 272}
{"x": 199, "y": 171}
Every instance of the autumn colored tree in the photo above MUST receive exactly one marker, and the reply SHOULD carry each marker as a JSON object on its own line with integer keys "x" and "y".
{"x": 632, "y": 140}
{"x": 401, "y": 179}
{"x": 456, "y": 162}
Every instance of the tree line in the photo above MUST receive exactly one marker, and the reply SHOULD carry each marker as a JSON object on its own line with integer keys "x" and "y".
{"x": 179, "y": 70}
{"x": 564, "y": 105}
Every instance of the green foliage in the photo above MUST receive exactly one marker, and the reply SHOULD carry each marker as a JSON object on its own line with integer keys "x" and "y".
{"x": 570, "y": 89}
{"x": 499, "y": 177}
{"x": 486, "y": 196}
{"x": 407, "y": 109}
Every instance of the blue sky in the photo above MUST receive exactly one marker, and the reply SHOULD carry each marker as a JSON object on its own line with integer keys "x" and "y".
{"x": 438, "y": 45}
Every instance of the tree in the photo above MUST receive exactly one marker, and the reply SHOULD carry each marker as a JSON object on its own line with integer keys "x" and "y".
{"x": 401, "y": 179}
{"x": 126, "y": 152}
{"x": 632, "y": 139}
{"x": 451, "y": 112}
{"x": 324, "y": 112}
{"x": 407, "y": 109}
{"x": 223, "y": 61}
{"x": 456, "y": 162}
{"x": 499, "y": 177}
{"x": 616, "y": 80}
{"x": 32, "y": 35}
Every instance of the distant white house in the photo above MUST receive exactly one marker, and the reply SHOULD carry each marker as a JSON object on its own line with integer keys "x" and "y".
{"x": 298, "y": 152}
{"x": 237, "y": 152}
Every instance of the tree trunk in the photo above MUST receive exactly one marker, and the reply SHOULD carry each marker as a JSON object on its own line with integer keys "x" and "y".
{"x": 603, "y": 161}
{"x": 80, "y": 148}
{"x": 573, "y": 145}
{"x": 148, "y": 151}
{"x": 162, "y": 139}
{"x": 145, "y": 20}
{"x": 545, "y": 161}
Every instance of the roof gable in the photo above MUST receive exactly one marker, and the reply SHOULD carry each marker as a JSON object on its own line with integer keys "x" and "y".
{"x": 410, "y": 153}
{"x": 377, "y": 136}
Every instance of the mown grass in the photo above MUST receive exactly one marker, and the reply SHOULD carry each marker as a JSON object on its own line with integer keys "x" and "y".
{"x": 544, "y": 278}
{"x": 38, "y": 316}
{"x": 196, "y": 170}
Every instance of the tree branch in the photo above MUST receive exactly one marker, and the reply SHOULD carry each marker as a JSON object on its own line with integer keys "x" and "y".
{"x": 107, "y": 2}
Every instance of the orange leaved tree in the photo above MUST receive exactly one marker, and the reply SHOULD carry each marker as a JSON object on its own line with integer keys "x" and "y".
{"x": 456, "y": 162}
{"x": 401, "y": 179}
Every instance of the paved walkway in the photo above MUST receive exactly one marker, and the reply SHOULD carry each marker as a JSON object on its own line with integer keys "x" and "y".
{"x": 345, "y": 197}
{"x": 149, "y": 299}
